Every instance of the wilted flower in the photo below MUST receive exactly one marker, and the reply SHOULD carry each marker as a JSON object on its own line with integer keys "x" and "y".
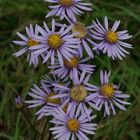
{"x": 69, "y": 67}
{"x": 111, "y": 40}
{"x": 109, "y": 95}
{"x": 69, "y": 8}
{"x": 56, "y": 44}
{"x": 72, "y": 124}
{"x": 27, "y": 43}
{"x": 83, "y": 33}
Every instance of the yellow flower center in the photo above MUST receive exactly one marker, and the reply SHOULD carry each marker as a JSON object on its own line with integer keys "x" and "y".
{"x": 73, "y": 125}
{"x": 54, "y": 100}
{"x": 78, "y": 93}
{"x": 107, "y": 90}
{"x": 72, "y": 63}
{"x": 80, "y": 29}
{"x": 55, "y": 41}
{"x": 111, "y": 37}
{"x": 32, "y": 42}
{"x": 65, "y": 2}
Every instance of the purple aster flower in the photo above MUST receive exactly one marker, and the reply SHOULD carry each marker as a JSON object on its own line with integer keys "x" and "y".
{"x": 110, "y": 40}
{"x": 109, "y": 95}
{"x": 27, "y": 43}
{"x": 19, "y": 102}
{"x": 69, "y": 67}
{"x": 69, "y": 8}
{"x": 72, "y": 125}
{"x": 80, "y": 94}
{"x": 42, "y": 97}
{"x": 60, "y": 44}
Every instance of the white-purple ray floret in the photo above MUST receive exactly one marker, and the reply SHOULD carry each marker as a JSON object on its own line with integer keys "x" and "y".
{"x": 68, "y": 8}
{"x": 80, "y": 94}
{"x": 110, "y": 40}
{"x": 55, "y": 43}
{"x": 109, "y": 95}
{"x": 28, "y": 42}
{"x": 72, "y": 124}
{"x": 68, "y": 69}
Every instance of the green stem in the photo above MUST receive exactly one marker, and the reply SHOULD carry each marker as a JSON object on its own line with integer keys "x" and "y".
{"x": 50, "y": 136}
{"x": 43, "y": 131}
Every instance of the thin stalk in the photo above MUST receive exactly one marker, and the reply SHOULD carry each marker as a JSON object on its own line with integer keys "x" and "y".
{"x": 43, "y": 131}
{"x": 50, "y": 136}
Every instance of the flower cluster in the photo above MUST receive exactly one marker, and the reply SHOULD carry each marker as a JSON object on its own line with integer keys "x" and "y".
{"x": 68, "y": 50}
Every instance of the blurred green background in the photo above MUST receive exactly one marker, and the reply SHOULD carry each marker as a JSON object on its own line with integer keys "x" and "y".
{"x": 17, "y": 77}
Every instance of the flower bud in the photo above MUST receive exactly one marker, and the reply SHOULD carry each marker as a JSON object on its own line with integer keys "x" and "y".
{"x": 19, "y": 102}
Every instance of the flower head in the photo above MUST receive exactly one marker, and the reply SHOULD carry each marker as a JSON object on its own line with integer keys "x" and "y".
{"x": 80, "y": 93}
{"x": 43, "y": 98}
{"x": 55, "y": 43}
{"x": 68, "y": 8}
{"x": 68, "y": 69}
{"x": 110, "y": 40}
{"x": 72, "y": 124}
{"x": 27, "y": 43}
{"x": 109, "y": 95}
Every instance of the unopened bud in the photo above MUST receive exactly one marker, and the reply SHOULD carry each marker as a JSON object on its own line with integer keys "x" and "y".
{"x": 19, "y": 102}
